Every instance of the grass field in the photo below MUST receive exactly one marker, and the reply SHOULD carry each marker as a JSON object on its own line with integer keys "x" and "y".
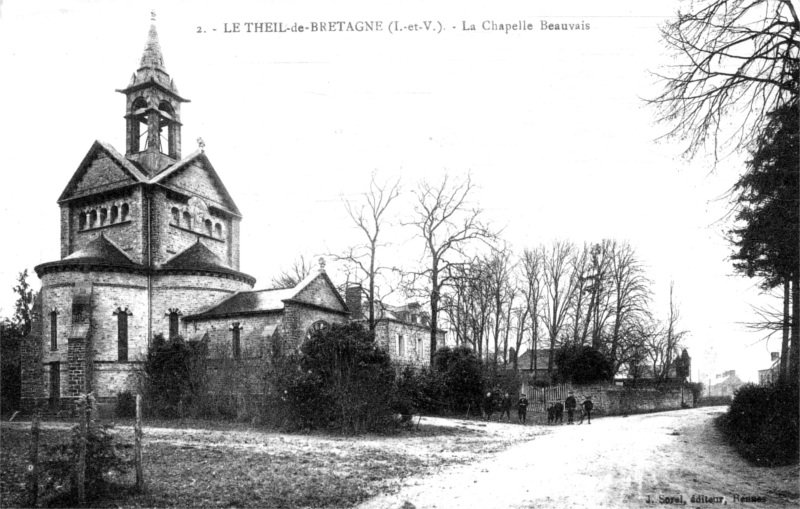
{"x": 209, "y": 464}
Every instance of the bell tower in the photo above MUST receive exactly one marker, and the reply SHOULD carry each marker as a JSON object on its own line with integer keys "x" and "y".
{"x": 152, "y": 111}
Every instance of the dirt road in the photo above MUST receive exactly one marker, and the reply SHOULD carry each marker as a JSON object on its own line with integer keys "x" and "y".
{"x": 639, "y": 461}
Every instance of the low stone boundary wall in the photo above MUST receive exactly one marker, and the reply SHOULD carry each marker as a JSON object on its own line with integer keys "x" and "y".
{"x": 617, "y": 400}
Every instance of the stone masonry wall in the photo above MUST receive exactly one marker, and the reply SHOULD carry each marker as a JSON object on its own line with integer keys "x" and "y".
{"x": 124, "y": 231}
{"x": 298, "y": 318}
{"x": 417, "y": 340}
{"x": 188, "y": 294}
{"x": 617, "y": 400}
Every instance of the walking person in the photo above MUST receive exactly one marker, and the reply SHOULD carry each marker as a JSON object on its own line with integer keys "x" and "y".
{"x": 505, "y": 407}
{"x": 522, "y": 408}
{"x": 571, "y": 404}
{"x": 559, "y": 412}
{"x": 551, "y": 413}
{"x": 586, "y": 409}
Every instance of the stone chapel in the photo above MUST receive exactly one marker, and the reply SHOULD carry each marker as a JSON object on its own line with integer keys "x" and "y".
{"x": 150, "y": 245}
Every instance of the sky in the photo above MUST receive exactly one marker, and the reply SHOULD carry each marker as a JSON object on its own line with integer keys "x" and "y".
{"x": 552, "y": 127}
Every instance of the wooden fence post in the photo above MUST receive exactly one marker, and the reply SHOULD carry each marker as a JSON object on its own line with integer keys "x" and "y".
{"x": 33, "y": 465}
{"x": 137, "y": 447}
{"x": 80, "y": 475}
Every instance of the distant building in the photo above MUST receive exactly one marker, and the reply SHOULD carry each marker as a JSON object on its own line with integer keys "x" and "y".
{"x": 725, "y": 384}
{"x": 770, "y": 375}
{"x": 403, "y": 331}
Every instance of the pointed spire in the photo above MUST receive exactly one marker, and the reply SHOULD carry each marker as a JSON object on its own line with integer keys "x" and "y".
{"x": 152, "y": 56}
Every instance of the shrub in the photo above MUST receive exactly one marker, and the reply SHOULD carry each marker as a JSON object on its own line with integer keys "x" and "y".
{"x": 126, "y": 405}
{"x": 174, "y": 377}
{"x": 346, "y": 382}
{"x": 103, "y": 456}
{"x": 582, "y": 364}
{"x": 762, "y": 423}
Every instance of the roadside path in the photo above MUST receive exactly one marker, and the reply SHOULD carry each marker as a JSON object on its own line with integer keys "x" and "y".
{"x": 614, "y": 462}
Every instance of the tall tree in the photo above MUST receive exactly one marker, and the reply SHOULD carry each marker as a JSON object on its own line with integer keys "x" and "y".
{"x": 532, "y": 269}
{"x": 559, "y": 283}
{"x": 447, "y": 224}
{"x": 737, "y": 59}
{"x": 631, "y": 291}
{"x": 767, "y": 236}
{"x": 23, "y": 307}
{"x": 369, "y": 215}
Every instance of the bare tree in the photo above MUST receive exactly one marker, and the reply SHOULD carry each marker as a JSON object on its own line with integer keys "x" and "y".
{"x": 560, "y": 283}
{"x": 369, "y": 216}
{"x": 631, "y": 292}
{"x": 447, "y": 224}
{"x": 738, "y": 58}
{"x": 532, "y": 269}
{"x": 292, "y": 276}
{"x": 498, "y": 274}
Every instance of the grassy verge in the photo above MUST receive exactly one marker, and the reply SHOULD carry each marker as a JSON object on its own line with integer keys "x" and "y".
{"x": 235, "y": 466}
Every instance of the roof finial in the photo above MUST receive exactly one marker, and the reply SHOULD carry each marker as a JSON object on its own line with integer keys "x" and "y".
{"x": 153, "y": 15}
{"x": 322, "y": 264}
{"x": 201, "y": 144}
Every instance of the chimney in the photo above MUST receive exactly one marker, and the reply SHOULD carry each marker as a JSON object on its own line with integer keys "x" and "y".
{"x": 353, "y": 300}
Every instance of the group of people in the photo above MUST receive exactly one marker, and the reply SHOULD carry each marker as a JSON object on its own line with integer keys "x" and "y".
{"x": 555, "y": 410}
{"x": 493, "y": 401}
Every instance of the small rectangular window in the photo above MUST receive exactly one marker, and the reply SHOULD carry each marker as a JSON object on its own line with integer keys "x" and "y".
{"x": 401, "y": 347}
{"x": 122, "y": 336}
{"x": 237, "y": 349}
{"x": 173, "y": 324}
{"x": 54, "y": 331}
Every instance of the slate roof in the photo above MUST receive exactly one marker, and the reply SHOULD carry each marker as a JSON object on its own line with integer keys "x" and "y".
{"x": 100, "y": 146}
{"x": 243, "y": 303}
{"x": 197, "y": 256}
{"x": 542, "y": 359}
{"x": 100, "y": 251}
{"x": 260, "y": 301}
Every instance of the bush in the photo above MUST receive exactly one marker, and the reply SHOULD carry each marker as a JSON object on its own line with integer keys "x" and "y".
{"x": 103, "y": 456}
{"x": 346, "y": 382}
{"x": 174, "y": 377}
{"x": 126, "y": 405}
{"x": 762, "y": 423}
{"x": 581, "y": 364}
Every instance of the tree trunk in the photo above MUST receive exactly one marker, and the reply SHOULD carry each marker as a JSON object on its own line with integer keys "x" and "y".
{"x": 784, "y": 362}
{"x": 794, "y": 354}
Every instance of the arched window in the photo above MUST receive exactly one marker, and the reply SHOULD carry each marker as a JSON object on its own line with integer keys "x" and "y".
{"x": 236, "y": 345}
{"x": 187, "y": 220}
{"x": 103, "y": 216}
{"x": 176, "y": 216}
{"x": 54, "y": 330}
{"x": 317, "y": 326}
{"x": 114, "y": 214}
{"x": 174, "y": 323}
{"x": 138, "y": 124}
{"x": 82, "y": 221}
{"x": 167, "y": 136}
{"x": 207, "y": 224}
{"x": 92, "y": 218}
{"x": 124, "y": 212}
{"x": 218, "y": 230}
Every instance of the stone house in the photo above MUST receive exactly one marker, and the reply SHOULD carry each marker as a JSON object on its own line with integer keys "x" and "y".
{"x": 403, "y": 331}
{"x": 150, "y": 245}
